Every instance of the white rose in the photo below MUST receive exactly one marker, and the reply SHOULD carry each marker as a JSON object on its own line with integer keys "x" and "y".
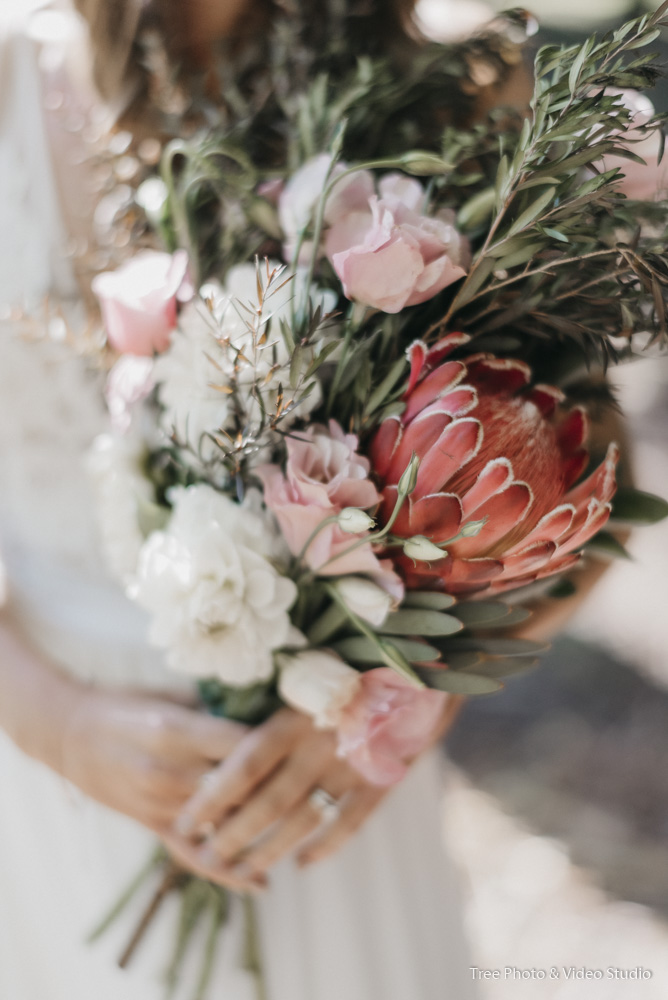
{"x": 365, "y": 598}
{"x": 219, "y": 607}
{"x": 317, "y": 683}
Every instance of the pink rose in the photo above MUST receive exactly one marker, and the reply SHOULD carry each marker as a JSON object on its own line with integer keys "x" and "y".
{"x": 301, "y": 194}
{"x": 388, "y": 255}
{"x": 138, "y": 301}
{"x": 640, "y": 181}
{"x": 323, "y": 474}
{"x": 387, "y": 722}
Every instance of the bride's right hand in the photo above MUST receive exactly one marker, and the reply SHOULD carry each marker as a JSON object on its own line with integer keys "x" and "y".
{"x": 143, "y": 755}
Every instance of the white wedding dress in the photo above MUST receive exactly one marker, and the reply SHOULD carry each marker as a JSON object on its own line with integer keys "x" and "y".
{"x": 380, "y": 921}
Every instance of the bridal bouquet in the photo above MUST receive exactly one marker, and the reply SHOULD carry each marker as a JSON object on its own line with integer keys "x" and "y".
{"x": 350, "y": 396}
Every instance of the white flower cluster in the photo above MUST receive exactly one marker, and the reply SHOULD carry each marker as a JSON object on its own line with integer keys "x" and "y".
{"x": 219, "y": 606}
{"x": 195, "y": 373}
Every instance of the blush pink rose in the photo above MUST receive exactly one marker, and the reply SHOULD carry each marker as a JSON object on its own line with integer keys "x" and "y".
{"x": 387, "y": 722}
{"x": 640, "y": 181}
{"x": 323, "y": 474}
{"x": 388, "y": 255}
{"x": 301, "y": 194}
{"x": 139, "y": 300}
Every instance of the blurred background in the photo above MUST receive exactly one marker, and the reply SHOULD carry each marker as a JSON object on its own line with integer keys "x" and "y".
{"x": 557, "y": 800}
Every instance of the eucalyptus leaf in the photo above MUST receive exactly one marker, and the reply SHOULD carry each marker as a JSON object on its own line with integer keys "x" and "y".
{"x": 606, "y": 543}
{"x": 432, "y": 600}
{"x": 458, "y": 683}
{"x": 409, "y": 621}
{"x": 503, "y": 647}
{"x": 360, "y": 649}
{"x": 504, "y": 666}
{"x": 637, "y": 507}
{"x": 472, "y": 613}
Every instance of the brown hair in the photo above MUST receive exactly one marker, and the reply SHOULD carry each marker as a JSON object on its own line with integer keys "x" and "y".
{"x": 115, "y": 26}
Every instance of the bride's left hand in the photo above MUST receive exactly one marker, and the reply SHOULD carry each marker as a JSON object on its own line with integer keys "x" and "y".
{"x": 254, "y": 807}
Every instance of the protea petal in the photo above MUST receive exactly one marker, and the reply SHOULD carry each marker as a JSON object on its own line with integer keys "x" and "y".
{"x": 419, "y": 437}
{"x": 445, "y": 346}
{"x": 437, "y": 516}
{"x": 499, "y": 375}
{"x": 503, "y": 511}
{"x": 496, "y": 476}
{"x": 457, "y": 444}
{"x": 554, "y": 566}
{"x": 433, "y": 387}
{"x": 464, "y": 575}
{"x": 546, "y": 398}
{"x": 550, "y": 528}
{"x": 388, "y": 503}
{"x": 573, "y": 432}
{"x": 385, "y": 441}
{"x": 457, "y": 403}
{"x": 574, "y": 466}
{"x": 597, "y": 516}
{"x": 416, "y": 354}
{"x": 529, "y": 559}
{"x": 601, "y": 483}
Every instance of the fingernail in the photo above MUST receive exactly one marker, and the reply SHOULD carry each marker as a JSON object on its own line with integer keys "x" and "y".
{"x": 184, "y": 825}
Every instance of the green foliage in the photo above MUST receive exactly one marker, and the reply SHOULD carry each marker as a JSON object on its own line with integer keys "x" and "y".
{"x": 636, "y": 507}
{"x": 562, "y": 252}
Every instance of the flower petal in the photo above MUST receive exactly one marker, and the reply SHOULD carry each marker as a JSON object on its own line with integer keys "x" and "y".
{"x": 385, "y": 441}
{"x": 433, "y": 387}
{"x": 504, "y": 512}
{"x": 499, "y": 375}
{"x": 419, "y": 437}
{"x": 437, "y": 516}
{"x": 457, "y": 444}
{"x": 496, "y": 476}
{"x": 573, "y": 432}
{"x": 550, "y": 528}
{"x": 546, "y": 397}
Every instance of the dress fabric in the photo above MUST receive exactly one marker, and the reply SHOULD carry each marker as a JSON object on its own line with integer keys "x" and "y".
{"x": 380, "y": 921}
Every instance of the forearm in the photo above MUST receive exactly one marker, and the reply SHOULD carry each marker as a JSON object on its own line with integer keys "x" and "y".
{"x": 36, "y": 699}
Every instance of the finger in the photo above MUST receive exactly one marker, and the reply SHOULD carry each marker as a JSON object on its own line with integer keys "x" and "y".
{"x": 356, "y": 809}
{"x": 251, "y": 761}
{"x": 301, "y": 821}
{"x": 185, "y": 854}
{"x": 182, "y": 729}
{"x": 273, "y": 799}
{"x": 170, "y": 784}
{"x": 216, "y": 738}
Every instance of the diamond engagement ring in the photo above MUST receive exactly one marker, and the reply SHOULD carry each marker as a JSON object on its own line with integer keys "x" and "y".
{"x": 324, "y": 803}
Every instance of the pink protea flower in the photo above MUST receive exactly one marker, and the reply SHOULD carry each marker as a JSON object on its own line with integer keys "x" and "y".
{"x": 492, "y": 448}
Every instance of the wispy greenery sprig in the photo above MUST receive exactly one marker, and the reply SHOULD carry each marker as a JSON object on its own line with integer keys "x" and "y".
{"x": 562, "y": 251}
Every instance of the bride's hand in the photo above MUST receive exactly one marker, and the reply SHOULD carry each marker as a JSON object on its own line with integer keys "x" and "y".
{"x": 144, "y": 755}
{"x": 255, "y": 804}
